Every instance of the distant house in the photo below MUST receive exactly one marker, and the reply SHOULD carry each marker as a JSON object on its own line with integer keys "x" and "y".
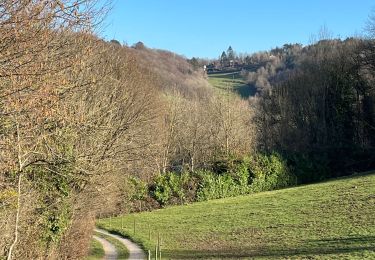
{"x": 209, "y": 68}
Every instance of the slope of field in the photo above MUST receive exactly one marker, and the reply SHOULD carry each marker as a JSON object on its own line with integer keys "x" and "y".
{"x": 332, "y": 220}
{"x": 233, "y": 82}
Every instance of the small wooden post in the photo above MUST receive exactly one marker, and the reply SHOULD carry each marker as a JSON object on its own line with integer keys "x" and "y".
{"x": 149, "y": 232}
{"x": 149, "y": 255}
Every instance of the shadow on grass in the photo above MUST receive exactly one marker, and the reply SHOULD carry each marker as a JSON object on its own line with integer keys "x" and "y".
{"x": 245, "y": 91}
{"x": 323, "y": 247}
{"x": 230, "y": 75}
{"x": 237, "y": 83}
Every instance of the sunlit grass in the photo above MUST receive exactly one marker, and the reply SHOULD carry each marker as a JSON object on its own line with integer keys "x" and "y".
{"x": 231, "y": 83}
{"x": 122, "y": 251}
{"x": 96, "y": 250}
{"x": 331, "y": 220}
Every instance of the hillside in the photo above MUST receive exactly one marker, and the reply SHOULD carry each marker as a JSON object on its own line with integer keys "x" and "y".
{"x": 174, "y": 73}
{"x": 332, "y": 220}
{"x": 91, "y": 128}
{"x": 233, "y": 82}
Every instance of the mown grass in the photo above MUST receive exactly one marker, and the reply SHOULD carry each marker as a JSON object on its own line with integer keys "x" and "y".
{"x": 331, "y": 220}
{"x": 232, "y": 82}
{"x": 122, "y": 251}
{"x": 96, "y": 250}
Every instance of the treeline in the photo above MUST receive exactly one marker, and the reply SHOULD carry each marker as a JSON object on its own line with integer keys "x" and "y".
{"x": 316, "y": 106}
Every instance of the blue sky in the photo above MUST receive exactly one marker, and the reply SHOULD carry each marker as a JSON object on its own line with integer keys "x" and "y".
{"x": 204, "y": 28}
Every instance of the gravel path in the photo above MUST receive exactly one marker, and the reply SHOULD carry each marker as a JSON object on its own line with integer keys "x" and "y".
{"x": 110, "y": 252}
{"x": 135, "y": 252}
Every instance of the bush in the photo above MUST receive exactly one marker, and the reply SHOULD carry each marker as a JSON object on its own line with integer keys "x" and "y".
{"x": 214, "y": 186}
{"x": 170, "y": 187}
{"x": 137, "y": 189}
{"x": 268, "y": 172}
{"x": 234, "y": 177}
{"x": 309, "y": 168}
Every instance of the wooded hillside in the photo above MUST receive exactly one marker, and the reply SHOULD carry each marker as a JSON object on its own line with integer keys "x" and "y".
{"x": 92, "y": 128}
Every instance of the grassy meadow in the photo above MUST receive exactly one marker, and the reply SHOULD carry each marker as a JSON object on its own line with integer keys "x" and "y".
{"x": 331, "y": 220}
{"x": 233, "y": 82}
{"x": 96, "y": 250}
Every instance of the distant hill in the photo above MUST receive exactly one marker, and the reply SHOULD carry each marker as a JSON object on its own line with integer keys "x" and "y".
{"x": 174, "y": 72}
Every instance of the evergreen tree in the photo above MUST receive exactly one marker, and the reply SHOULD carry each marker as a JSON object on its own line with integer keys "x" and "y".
{"x": 223, "y": 59}
{"x": 230, "y": 53}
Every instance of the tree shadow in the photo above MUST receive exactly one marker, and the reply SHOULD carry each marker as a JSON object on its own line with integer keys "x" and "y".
{"x": 308, "y": 248}
{"x": 245, "y": 91}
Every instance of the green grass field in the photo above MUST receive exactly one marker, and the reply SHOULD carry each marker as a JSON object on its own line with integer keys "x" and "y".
{"x": 233, "y": 82}
{"x": 330, "y": 220}
{"x": 96, "y": 251}
{"x": 122, "y": 251}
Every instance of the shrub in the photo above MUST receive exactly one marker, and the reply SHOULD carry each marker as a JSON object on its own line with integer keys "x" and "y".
{"x": 268, "y": 172}
{"x": 213, "y": 186}
{"x": 170, "y": 187}
{"x": 137, "y": 189}
{"x": 234, "y": 177}
{"x": 309, "y": 168}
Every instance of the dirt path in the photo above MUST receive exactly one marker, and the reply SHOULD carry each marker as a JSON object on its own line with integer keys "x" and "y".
{"x": 135, "y": 252}
{"x": 110, "y": 252}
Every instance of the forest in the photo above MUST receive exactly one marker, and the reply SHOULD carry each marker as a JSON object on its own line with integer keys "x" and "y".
{"x": 92, "y": 128}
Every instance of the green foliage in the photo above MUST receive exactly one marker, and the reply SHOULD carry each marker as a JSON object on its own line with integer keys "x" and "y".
{"x": 54, "y": 204}
{"x": 309, "y": 168}
{"x": 55, "y": 183}
{"x": 230, "y": 177}
{"x": 137, "y": 189}
{"x": 162, "y": 191}
{"x": 240, "y": 173}
{"x": 170, "y": 185}
{"x": 214, "y": 186}
{"x": 256, "y": 173}
{"x": 268, "y": 172}
{"x": 55, "y": 222}
{"x": 234, "y": 182}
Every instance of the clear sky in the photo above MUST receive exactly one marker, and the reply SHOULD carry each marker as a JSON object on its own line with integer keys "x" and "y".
{"x": 204, "y": 28}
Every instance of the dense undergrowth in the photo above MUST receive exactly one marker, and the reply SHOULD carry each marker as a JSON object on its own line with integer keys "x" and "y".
{"x": 226, "y": 178}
